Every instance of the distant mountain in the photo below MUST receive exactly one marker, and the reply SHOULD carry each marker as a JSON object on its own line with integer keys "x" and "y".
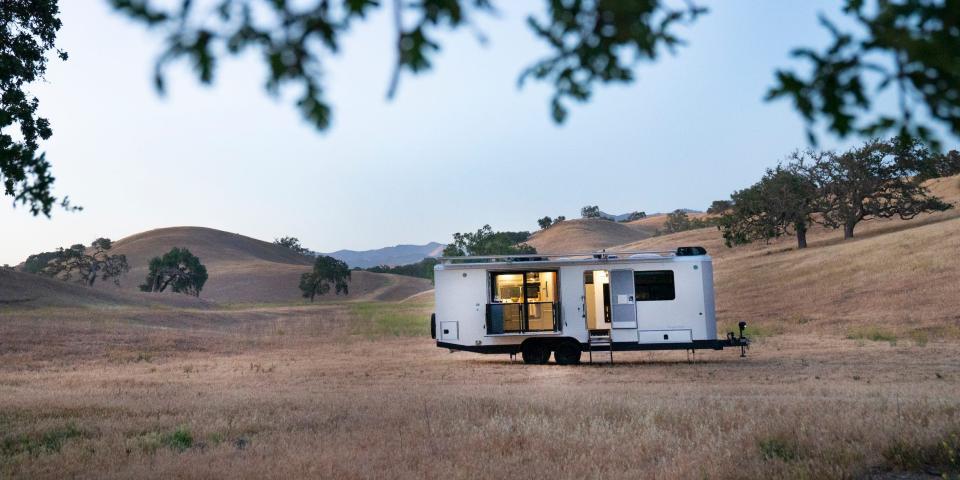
{"x": 623, "y": 216}
{"x": 391, "y": 256}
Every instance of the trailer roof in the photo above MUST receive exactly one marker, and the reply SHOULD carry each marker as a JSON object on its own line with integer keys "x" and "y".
{"x": 543, "y": 260}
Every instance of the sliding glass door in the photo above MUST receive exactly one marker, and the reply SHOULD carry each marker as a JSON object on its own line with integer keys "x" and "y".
{"x": 522, "y": 302}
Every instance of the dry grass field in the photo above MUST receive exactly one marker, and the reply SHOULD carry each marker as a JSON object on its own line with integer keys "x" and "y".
{"x": 356, "y": 390}
{"x": 854, "y": 373}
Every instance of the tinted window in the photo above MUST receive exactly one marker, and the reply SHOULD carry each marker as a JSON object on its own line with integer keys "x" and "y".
{"x": 654, "y": 285}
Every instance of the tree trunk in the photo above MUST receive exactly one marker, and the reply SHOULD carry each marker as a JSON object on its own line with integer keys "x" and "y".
{"x": 848, "y": 230}
{"x": 802, "y": 236}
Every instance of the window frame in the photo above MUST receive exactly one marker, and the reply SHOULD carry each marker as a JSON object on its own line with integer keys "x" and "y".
{"x": 673, "y": 284}
{"x": 524, "y": 305}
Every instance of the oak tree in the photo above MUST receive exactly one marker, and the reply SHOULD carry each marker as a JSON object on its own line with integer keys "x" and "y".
{"x": 177, "y": 269}
{"x": 876, "y": 180}
{"x": 327, "y": 272}
{"x": 85, "y": 264}
{"x": 783, "y": 202}
{"x": 487, "y": 242}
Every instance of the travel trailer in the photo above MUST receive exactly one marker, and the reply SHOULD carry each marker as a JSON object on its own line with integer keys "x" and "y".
{"x": 568, "y": 304}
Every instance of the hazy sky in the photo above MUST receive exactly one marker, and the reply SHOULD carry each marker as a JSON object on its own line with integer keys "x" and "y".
{"x": 459, "y": 147}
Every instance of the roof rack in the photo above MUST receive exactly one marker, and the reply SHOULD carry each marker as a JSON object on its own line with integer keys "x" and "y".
{"x": 548, "y": 257}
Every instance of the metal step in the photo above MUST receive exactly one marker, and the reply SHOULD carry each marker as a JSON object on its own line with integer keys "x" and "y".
{"x": 600, "y": 343}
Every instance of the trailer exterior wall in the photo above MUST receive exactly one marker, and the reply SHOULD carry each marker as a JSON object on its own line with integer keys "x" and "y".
{"x": 462, "y": 295}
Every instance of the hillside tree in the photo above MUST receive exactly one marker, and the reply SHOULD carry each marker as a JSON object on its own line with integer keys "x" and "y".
{"x": 292, "y": 243}
{"x": 677, "y": 221}
{"x": 35, "y": 263}
{"x": 783, "y": 202}
{"x": 718, "y": 207}
{"x": 590, "y": 211}
{"x": 932, "y": 165}
{"x": 85, "y": 264}
{"x": 327, "y": 273}
{"x": 876, "y": 180}
{"x": 177, "y": 269}
{"x": 487, "y": 242}
{"x": 545, "y": 222}
{"x": 635, "y": 216}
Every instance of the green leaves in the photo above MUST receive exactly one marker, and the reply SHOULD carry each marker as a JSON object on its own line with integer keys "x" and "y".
{"x": 590, "y": 41}
{"x": 600, "y": 42}
{"x": 28, "y": 30}
{"x": 87, "y": 264}
{"x": 327, "y": 272}
{"x": 912, "y": 46}
{"x": 177, "y": 269}
{"x": 487, "y": 242}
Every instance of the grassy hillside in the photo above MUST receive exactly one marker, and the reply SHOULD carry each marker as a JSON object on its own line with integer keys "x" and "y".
{"x": 25, "y": 290}
{"x": 584, "y": 235}
{"x": 246, "y": 270}
{"x": 896, "y": 278}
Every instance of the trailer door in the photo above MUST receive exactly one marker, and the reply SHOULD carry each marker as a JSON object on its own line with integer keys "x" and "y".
{"x": 624, "y": 309}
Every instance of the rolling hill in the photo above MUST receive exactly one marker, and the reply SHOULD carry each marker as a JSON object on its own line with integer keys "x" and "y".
{"x": 898, "y": 275}
{"x": 18, "y": 289}
{"x": 584, "y": 235}
{"x": 245, "y": 270}
{"x": 390, "y": 256}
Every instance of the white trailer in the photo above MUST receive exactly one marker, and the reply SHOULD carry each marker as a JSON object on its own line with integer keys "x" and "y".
{"x": 567, "y": 304}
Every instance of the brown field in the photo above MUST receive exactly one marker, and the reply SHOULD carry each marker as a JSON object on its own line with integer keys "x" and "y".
{"x": 854, "y": 373}
{"x": 357, "y": 391}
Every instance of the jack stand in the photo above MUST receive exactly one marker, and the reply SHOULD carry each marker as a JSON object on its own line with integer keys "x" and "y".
{"x": 743, "y": 347}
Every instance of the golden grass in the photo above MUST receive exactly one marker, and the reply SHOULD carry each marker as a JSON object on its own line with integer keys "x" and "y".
{"x": 334, "y": 391}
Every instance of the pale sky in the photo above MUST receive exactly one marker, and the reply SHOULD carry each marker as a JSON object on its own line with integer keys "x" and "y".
{"x": 459, "y": 147}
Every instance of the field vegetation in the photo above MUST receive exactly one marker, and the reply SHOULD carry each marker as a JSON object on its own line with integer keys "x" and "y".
{"x": 358, "y": 390}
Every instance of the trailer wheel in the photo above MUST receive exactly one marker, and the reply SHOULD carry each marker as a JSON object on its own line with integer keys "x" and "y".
{"x": 535, "y": 353}
{"x": 567, "y": 353}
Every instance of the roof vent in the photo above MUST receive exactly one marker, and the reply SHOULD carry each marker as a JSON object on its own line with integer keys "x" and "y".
{"x": 691, "y": 251}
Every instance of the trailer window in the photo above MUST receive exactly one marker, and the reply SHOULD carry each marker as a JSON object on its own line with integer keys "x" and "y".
{"x": 654, "y": 285}
{"x": 522, "y": 302}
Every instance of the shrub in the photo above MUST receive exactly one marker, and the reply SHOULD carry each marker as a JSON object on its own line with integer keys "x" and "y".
{"x": 778, "y": 448}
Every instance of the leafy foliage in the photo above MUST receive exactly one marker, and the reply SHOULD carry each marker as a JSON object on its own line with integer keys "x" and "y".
{"x": 421, "y": 269}
{"x": 910, "y": 45}
{"x": 28, "y": 30}
{"x": 547, "y": 222}
{"x": 876, "y": 180}
{"x": 178, "y": 269}
{"x": 635, "y": 216}
{"x": 590, "y": 211}
{"x": 936, "y": 166}
{"x": 718, "y": 207}
{"x": 487, "y": 242}
{"x": 596, "y": 42}
{"x": 293, "y": 243}
{"x": 679, "y": 221}
{"x": 87, "y": 265}
{"x": 35, "y": 263}
{"x": 326, "y": 271}
{"x": 589, "y": 42}
{"x": 781, "y": 203}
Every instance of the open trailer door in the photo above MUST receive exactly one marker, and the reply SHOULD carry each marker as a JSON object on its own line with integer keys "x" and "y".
{"x": 623, "y": 305}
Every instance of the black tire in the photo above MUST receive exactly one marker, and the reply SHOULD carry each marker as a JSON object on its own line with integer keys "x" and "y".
{"x": 535, "y": 353}
{"x": 567, "y": 353}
